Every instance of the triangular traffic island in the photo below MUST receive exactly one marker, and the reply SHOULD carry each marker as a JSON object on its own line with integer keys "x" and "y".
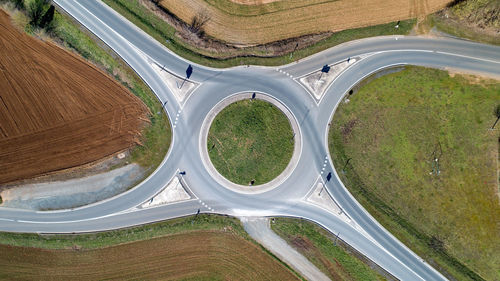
{"x": 182, "y": 88}
{"x": 318, "y": 82}
{"x": 321, "y": 197}
{"x": 174, "y": 191}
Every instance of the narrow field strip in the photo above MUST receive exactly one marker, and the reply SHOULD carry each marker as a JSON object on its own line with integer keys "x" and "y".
{"x": 258, "y": 24}
{"x": 201, "y": 255}
{"x": 203, "y": 247}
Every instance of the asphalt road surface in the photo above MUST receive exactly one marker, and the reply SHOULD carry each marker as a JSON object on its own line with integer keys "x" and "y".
{"x": 286, "y": 199}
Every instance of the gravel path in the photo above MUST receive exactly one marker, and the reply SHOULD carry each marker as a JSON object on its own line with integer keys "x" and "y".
{"x": 72, "y": 193}
{"x": 259, "y": 229}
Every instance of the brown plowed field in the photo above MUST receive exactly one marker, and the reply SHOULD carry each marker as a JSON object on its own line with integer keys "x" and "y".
{"x": 56, "y": 110}
{"x": 249, "y": 22}
{"x": 199, "y": 255}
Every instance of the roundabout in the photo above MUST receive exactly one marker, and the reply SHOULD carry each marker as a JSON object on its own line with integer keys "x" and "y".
{"x": 287, "y": 195}
{"x": 286, "y": 149}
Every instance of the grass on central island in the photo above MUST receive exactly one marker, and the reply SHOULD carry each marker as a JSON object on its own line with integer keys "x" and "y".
{"x": 250, "y": 140}
{"x": 393, "y": 129}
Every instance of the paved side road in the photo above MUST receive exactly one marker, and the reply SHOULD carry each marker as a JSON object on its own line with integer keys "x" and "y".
{"x": 260, "y": 230}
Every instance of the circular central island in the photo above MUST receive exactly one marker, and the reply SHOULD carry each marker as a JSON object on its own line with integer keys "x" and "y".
{"x": 249, "y": 142}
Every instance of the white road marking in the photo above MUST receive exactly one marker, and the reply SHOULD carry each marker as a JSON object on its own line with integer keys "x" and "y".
{"x": 469, "y": 57}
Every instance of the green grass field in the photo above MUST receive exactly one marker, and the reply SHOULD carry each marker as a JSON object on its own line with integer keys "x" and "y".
{"x": 250, "y": 140}
{"x": 317, "y": 245}
{"x": 393, "y": 129}
{"x": 161, "y": 31}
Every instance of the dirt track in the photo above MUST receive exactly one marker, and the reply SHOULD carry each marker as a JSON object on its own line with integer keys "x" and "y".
{"x": 56, "y": 110}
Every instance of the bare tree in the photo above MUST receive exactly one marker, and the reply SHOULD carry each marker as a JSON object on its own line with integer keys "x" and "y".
{"x": 497, "y": 114}
{"x": 198, "y": 21}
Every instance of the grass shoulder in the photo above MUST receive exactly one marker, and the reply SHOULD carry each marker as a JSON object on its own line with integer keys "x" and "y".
{"x": 115, "y": 237}
{"x": 475, "y": 20}
{"x": 164, "y": 33}
{"x": 393, "y": 130}
{"x": 332, "y": 256}
{"x": 250, "y": 140}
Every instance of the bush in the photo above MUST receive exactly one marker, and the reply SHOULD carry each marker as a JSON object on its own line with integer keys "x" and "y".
{"x": 35, "y": 11}
{"x": 46, "y": 21}
{"x": 19, "y": 4}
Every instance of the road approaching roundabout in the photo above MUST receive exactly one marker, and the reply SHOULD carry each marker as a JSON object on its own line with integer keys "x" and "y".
{"x": 309, "y": 116}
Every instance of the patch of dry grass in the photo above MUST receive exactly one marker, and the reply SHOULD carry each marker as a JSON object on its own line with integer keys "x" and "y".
{"x": 258, "y": 24}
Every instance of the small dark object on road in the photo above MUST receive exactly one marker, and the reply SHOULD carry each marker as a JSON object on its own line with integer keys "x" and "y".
{"x": 253, "y": 96}
{"x": 182, "y": 173}
{"x": 325, "y": 68}
{"x": 329, "y": 176}
{"x": 189, "y": 71}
